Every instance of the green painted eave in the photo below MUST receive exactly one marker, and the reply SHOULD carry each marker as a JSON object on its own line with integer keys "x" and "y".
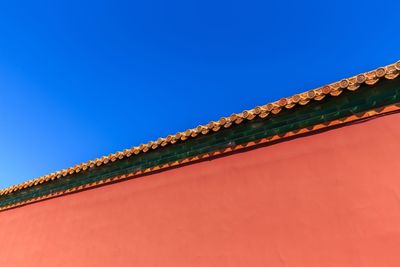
{"x": 367, "y": 97}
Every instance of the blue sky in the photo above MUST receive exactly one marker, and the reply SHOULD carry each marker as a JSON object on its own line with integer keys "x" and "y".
{"x": 82, "y": 79}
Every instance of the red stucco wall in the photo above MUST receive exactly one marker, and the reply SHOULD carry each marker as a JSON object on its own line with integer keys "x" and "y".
{"x": 330, "y": 199}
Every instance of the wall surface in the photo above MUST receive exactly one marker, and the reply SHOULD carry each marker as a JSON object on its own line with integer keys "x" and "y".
{"x": 329, "y": 199}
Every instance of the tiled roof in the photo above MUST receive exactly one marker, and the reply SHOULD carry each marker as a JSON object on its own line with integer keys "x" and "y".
{"x": 334, "y": 89}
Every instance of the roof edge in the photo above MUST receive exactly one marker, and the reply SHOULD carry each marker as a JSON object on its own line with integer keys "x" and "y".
{"x": 389, "y": 72}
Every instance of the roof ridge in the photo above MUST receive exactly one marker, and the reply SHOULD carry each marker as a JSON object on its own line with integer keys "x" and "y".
{"x": 390, "y": 71}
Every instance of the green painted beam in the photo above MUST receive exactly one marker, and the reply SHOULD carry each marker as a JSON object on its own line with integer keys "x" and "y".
{"x": 384, "y": 93}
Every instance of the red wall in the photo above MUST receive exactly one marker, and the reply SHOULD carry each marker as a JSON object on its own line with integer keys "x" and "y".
{"x": 330, "y": 199}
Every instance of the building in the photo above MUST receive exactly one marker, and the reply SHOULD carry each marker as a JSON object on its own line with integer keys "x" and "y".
{"x": 309, "y": 180}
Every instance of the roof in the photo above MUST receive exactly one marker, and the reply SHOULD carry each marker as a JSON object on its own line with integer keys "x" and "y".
{"x": 264, "y": 112}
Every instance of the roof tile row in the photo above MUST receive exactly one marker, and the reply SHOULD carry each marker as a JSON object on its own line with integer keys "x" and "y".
{"x": 334, "y": 89}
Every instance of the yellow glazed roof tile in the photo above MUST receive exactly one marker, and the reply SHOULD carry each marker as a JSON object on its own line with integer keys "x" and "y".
{"x": 334, "y": 89}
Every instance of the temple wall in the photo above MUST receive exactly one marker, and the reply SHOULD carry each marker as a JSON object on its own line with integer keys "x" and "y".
{"x": 329, "y": 199}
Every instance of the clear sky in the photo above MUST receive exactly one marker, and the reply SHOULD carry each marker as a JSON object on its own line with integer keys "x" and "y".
{"x": 82, "y": 79}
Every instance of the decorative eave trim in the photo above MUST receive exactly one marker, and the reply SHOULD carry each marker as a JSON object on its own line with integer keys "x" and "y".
{"x": 318, "y": 127}
{"x": 334, "y": 89}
